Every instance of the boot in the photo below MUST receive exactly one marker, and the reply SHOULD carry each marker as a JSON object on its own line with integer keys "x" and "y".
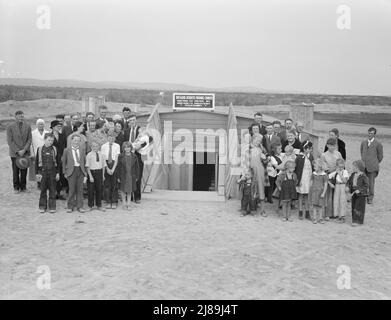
{"x": 301, "y": 215}
{"x": 307, "y": 215}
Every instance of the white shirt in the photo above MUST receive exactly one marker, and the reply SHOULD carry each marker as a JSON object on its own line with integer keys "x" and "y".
{"x": 370, "y": 141}
{"x": 76, "y": 163}
{"x": 37, "y": 140}
{"x": 338, "y": 179}
{"x": 115, "y": 150}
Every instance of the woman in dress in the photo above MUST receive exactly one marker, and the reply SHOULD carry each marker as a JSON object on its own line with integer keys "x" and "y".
{"x": 330, "y": 158}
{"x": 304, "y": 169}
{"x": 257, "y": 158}
{"x": 128, "y": 173}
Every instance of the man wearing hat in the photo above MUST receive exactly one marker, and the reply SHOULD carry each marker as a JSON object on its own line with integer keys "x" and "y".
{"x": 60, "y": 143}
{"x": 19, "y": 140}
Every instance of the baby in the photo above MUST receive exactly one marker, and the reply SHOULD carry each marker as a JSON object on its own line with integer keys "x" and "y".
{"x": 143, "y": 139}
{"x": 289, "y": 155}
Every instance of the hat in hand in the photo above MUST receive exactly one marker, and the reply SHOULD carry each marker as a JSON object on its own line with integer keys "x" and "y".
{"x": 22, "y": 162}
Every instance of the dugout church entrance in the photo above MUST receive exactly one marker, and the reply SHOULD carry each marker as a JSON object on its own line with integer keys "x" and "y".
{"x": 205, "y": 140}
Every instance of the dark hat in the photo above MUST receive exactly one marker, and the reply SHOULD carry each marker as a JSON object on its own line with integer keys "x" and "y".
{"x": 22, "y": 162}
{"x": 54, "y": 123}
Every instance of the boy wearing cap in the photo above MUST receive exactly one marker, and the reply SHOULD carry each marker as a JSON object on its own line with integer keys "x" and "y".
{"x": 48, "y": 173}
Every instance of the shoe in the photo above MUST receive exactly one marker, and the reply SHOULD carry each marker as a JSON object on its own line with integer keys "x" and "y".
{"x": 69, "y": 210}
{"x": 314, "y": 221}
{"x": 307, "y": 215}
{"x": 90, "y": 209}
{"x": 301, "y": 215}
{"x": 284, "y": 219}
{"x": 52, "y": 211}
{"x": 16, "y": 191}
{"x": 101, "y": 209}
{"x": 327, "y": 219}
{"x": 42, "y": 210}
{"x": 341, "y": 220}
{"x": 369, "y": 201}
{"x": 108, "y": 206}
{"x": 113, "y": 206}
{"x": 138, "y": 201}
{"x": 290, "y": 219}
{"x": 81, "y": 210}
{"x": 263, "y": 214}
{"x": 321, "y": 221}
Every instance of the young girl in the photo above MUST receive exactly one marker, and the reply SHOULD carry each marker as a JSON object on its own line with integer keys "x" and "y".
{"x": 358, "y": 185}
{"x": 318, "y": 191}
{"x": 286, "y": 183}
{"x": 304, "y": 169}
{"x": 337, "y": 181}
{"x": 248, "y": 188}
{"x": 128, "y": 173}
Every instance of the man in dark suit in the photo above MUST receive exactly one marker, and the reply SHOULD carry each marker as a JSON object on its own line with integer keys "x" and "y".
{"x": 126, "y": 112}
{"x": 89, "y": 118}
{"x": 131, "y": 134}
{"x": 371, "y": 154}
{"x": 300, "y": 135}
{"x": 277, "y": 130}
{"x": 270, "y": 138}
{"x": 67, "y": 129}
{"x": 334, "y": 134}
{"x": 19, "y": 140}
{"x": 258, "y": 117}
{"x": 73, "y": 164}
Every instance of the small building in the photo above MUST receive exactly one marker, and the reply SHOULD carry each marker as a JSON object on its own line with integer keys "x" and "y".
{"x": 197, "y": 150}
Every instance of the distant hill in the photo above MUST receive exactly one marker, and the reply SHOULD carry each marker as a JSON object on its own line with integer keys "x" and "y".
{"x": 123, "y": 85}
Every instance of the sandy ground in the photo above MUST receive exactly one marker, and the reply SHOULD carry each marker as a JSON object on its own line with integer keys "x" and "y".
{"x": 190, "y": 250}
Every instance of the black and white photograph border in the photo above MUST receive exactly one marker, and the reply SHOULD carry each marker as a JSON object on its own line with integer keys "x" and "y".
{"x": 195, "y": 150}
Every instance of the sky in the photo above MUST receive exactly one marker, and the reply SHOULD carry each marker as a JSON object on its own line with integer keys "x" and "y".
{"x": 284, "y": 45}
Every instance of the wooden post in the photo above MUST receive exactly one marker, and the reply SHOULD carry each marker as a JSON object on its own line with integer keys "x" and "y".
{"x": 303, "y": 113}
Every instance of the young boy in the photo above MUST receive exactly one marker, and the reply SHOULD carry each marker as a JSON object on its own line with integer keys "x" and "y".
{"x": 358, "y": 185}
{"x": 111, "y": 150}
{"x": 248, "y": 189}
{"x": 47, "y": 169}
{"x": 95, "y": 165}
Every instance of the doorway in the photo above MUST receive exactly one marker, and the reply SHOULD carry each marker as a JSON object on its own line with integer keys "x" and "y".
{"x": 204, "y": 171}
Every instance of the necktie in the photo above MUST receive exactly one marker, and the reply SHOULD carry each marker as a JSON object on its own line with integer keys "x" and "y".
{"x": 110, "y": 153}
{"x": 132, "y": 136}
{"x": 77, "y": 155}
{"x": 97, "y": 157}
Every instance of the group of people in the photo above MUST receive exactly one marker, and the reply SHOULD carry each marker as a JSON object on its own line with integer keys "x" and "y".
{"x": 100, "y": 152}
{"x": 282, "y": 166}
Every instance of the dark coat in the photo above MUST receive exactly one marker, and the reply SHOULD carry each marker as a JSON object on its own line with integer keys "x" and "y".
{"x": 372, "y": 155}
{"x": 296, "y": 145}
{"x": 127, "y": 133}
{"x": 268, "y": 144}
{"x": 19, "y": 139}
{"x": 122, "y": 174}
{"x": 362, "y": 184}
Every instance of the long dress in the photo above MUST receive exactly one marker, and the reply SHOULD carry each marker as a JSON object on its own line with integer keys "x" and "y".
{"x": 304, "y": 187}
{"x": 259, "y": 170}
{"x": 128, "y": 172}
